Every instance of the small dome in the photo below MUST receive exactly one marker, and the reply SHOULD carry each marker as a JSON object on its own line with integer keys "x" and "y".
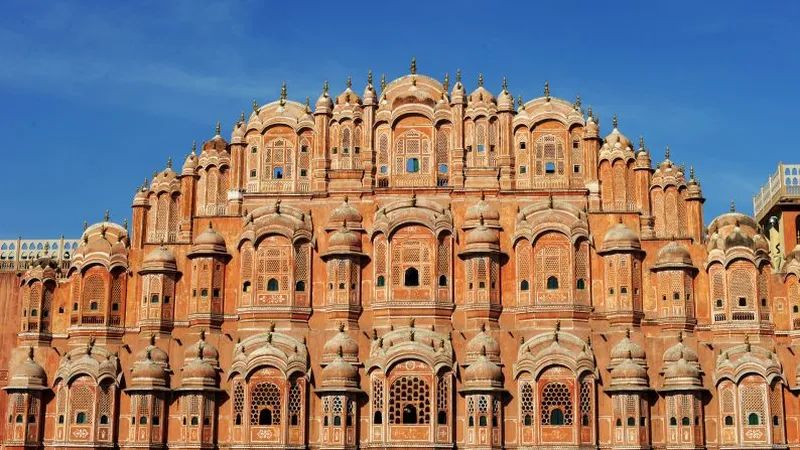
{"x": 483, "y": 370}
{"x": 344, "y": 238}
{"x": 210, "y": 237}
{"x": 629, "y": 370}
{"x": 160, "y": 259}
{"x": 370, "y": 96}
{"x": 199, "y": 369}
{"x": 615, "y": 139}
{"x": 483, "y": 236}
{"x": 626, "y": 347}
{"x": 621, "y": 238}
{"x": 680, "y": 351}
{"x": 216, "y": 143}
{"x": 29, "y": 374}
{"x": 339, "y": 374}
{"x": 345, "y": 213}
{"x": 148, "y": 371}
{"x": 189, "y": 165}
{"x": 681, "y": 369}
{"x": 483, "y": 342}
{"x": 481, "y": 94}
{"x": 505, "y": 102}
{"x": 592, "y": 130}
{"x": 458, "y": 93}
{"x": 482, "y": 208}
{"x": 673, "y": 255}
{"x": 340, "y": 341}
{"x": 209, "y": 242}
{"x": 202, "y": 350}
{"x": 324, "y": 103}
{"x": 738, "y": 238}
{"x": 155, "y": 353}
{"x": 761, "y": 243}
{"x": 348, "y": 96}
{"x": 443, "y": 104}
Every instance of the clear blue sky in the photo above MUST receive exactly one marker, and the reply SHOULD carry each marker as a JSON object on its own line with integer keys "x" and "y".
{"x": 94, "y": 96}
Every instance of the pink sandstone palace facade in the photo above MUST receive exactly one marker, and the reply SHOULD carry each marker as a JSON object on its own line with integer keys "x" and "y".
{"x": 417, "y": 266}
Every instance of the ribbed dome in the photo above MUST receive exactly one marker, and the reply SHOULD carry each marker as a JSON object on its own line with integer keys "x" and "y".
{"x": 340, "y": 341}
{"x": 339, "y": 374}
{"x": 210, "y": 237}
{"x": 615, "y": 139}
{"x": 621, "y": 238}
{"x": 482, "y": 209}
{"x": 680, "y": 351}
{"x": 738, "y": 238}
{"x": 480, "y": 343}
{"x": 189, "y": 165}
{"x": 673, "y": 255}
{"x": 481, "y": 235}
{"x": 147, "y": 371}
{"x": 481, "y": 94}
{"x": 681, "y": 369}
{"x": 760, "y": 243}
{"x": 160, "y": 258}
{"x": 29, "y": 374}
{"x": 155, "y": 353}
{"x": 629, "y": 371}
{"x": 483, "y": 370}
{"x": 348, "y": 97}
{"x": 199, "y": 369}
{"x": 209, "y": 242}
{"x": 345, "y": 214}
{"x": 324, "y": 102}
{"x": 202, "y": 347}
{"x": 505, "y": 101}
{"x": 626, "y": 347}
{"x": 217, "y": 143}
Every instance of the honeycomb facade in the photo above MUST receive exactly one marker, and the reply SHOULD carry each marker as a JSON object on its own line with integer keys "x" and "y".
{"x": 412, "y": 267}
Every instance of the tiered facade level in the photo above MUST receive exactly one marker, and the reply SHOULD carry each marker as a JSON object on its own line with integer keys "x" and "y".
{"x": 414, "y": 267}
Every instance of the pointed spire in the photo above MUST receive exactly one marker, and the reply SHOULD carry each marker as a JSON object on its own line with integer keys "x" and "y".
{"x": 615, "y": 121}
{"x": 446, "y": 81}
{"x": 691, "y": 173}
{"x": 666, "y": 153}
{"x": 255, "y": 105}
{"x": 169, "y": 161}
{"x": 217, "y": 129}
{"x": 325, "y": 89}
{"x": 369, "y": 77}
{"x": 577, "y": 103}
{"x": 413, "y": 65}
{"x": 125, "y": 223}
{"x": 733, "y": 206}
{"x": 194, "y": 152}
{"x": 202, "y": 334}
{"x": 547, "y": 91}
{"x": 152, "y": 339}
{"x": 383, "y": 82}
{"x": 241, "y": 117}
{"x": 641, "y": 142}
{"x": 519, "y": 101}
{"x": 283, "y": 93}
{"x": 505, "y": 84}
{"x": 480, "y": 80}
{"x": 106, "y": 216}
{"x": 349, "y": 82}
{"x": 308, "y": 105}
{"x": 458, "y": 76}
{"x": 86, "y": 223}
{"x": 591, "y": 115}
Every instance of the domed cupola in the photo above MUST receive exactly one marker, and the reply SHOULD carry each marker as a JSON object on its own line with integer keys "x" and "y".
{"x": 620, "y": 238}
{"x": 370, "y": 96}
{"x": 627, "y": 348}
{"x": 683, "y": 376}
{"x": 190, "y": 164}
{"x": 216, "y": 143}
{"x": 482, "y": 342}
{"x": 616, "y": 140}
{"x": 28, "y": 375}
{"x": 160, "y": 260}
{"x": 459, "y": 95}
{"x": 483, "y": 209}
{"x": 155, "y": 354}
{"x": 738, "y": 238}
{"x": 345, "y": 213}
{"x": 348, "y": 97}
{"x": 680, "y": 350}
{"x": 209, "y": 351}
{"x": 481, "y": 94}
{"x": 628, "y": 376}
{"x": 209, "y": 243}
{"x": 483, "y": 374}
{"x": 482, "y": 239}
{"x": 201, "y": 363}
{"x": 151, "y": 369}
{"x": 324, "y": 103}
{"x": 341, "y": 341}
{"x": 239, "y": 129}
{"x": 592, "y": 129}
{"x": 339, "y": 375}
{"x": 674, "y": 256}
{"x": 505, "y": 101}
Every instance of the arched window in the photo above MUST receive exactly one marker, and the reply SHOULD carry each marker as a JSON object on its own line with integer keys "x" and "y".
{"x": 552, "y": 282}
{"x": 686, "y": 421}
{"x": 80, "y": 418}
{"x": 61, "y": 419}
{"x": 412, "y": 165}
{"x": 482, "y": 421}
{"x": 325, "y": 421}
{"x": 556, "y": 417}
{"x": 753, "y": 419}
{"x": 195, "y": 420}
{"x": 238, "y": 420}
{"x": 528, "y": 420}
{"x": 776, "y": 421}
{"x": 619, "y": 422}
{"x": 580, "y": 284}
{"x": 585, "y": 420}
{"x": 524, "y": 285}
{"x": 272, "y": 285}
{"x": 673, "y": 421}
{"x": 277, "y": 173}
{"x": 729, "y": 420}
{"x": 265, "y": 417}
{"x": 441, "y": 418}
{"x": 300, "y": 286}
{"x": 631, "y": 421}
{"x": 104, "y": 420}
{"x": 143, "y": 420}
{"x": 377, "y": 418}
{"x": 471, "y": 421}
{"x": 156, "y": 420}
{"x": 409, "y": 415}
{"x": 411, "y": 277}
{"x": 442, "y": 280}
{"x": 93, "y": 306}
{"x": 337, "y": 421}
{"x": 246, "y": 286}
{"x": 19, "y": 418}
{"x": 381, "y": 281}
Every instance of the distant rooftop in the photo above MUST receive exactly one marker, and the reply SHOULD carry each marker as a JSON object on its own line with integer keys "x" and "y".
{"x": 18, "y": 254}
{"x": 783, "y": 186}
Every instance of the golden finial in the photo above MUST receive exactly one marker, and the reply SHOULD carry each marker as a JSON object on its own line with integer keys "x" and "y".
{"x": 578, "y": 102}
{"x": 641, "y": 142}
{"x": 480, "y": 79}
{"x": 666, "y": 153}
{"x": 325, "y": 89}
{"x": 217, "y": 129}
{"x": 349, "y": 82}
{"x": 458, "y": 76}
{"x": 591, "y": 115}
{"x": 255, "y": 105}
{"x": 413, "y": 65}
{"x": 194, "y": 151}
{"x": 106, "y": 216}
{"x": 169, "y": 161}
{"x": 547, "y": 91}
{"x": 308, "y": 105}
{"x": 383, "y": 81}
{"x": 614, "y": 121}
{"x": 519, "y": 101}
{"x": 446, "y": 81}
{"x": 241, "y": 117}
{"x": 691, "y": 172}
{"x": 283, "y": 93}
{"x": 733, "y": 206}
{"x": 125, "y": 224}
{"x": 369, "y": 77}
{"x": 505, "y": 84}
